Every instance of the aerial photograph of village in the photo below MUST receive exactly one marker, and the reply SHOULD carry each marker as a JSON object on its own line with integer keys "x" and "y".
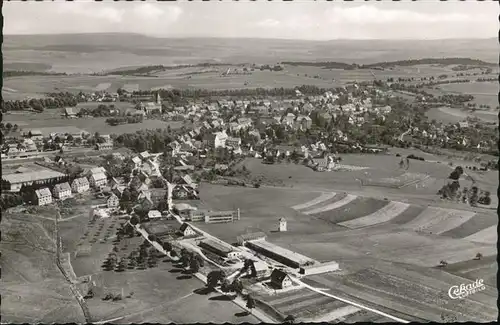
{"x": 249, "y": 162}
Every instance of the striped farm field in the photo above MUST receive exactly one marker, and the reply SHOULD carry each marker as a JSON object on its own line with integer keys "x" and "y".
{"x": 438, "y": 220}
{"x": 487, "y": 236}
{"x": 310, "y": 306}
{"x": 352, "y": 208}
{"x": 323, "y": 197}
{"x": 472, "y": 226}
{"x": 334, "y": 205}
{"x": 387, "y": 213}
{"x": 407, "y": 215}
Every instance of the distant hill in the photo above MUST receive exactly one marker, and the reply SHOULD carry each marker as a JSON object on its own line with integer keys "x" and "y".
{"x": 97, "y": 52}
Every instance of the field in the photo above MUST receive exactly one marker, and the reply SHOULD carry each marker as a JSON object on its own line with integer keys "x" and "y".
{"x": 291, "y": 76}
{"x": 52, "y": 119}
{"x": 309, "y": 306}
{"x": 369, "y": 230}
{"x": 485, "y": 93}
{"x": 33, "y": 289}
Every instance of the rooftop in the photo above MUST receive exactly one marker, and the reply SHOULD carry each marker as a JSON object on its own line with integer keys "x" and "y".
{"x": 296, "y": 257}
{"x": 222, "y": 247}
{"x": 31, "y": 176}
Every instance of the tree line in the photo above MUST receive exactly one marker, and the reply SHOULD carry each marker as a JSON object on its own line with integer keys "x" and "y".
{"x": 21, "y": 73}
{"x": 114, "y": 121}
{"x": 388, "y": 64}
{"x": 54, "y": 100}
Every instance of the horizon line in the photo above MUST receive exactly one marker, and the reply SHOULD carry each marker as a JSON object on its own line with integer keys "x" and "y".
{"x": 256, "y": 37}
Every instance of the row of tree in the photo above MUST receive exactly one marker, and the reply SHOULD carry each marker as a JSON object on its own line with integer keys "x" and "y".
{"x": 114, "y": 121}
{"x": 55, "y": 100}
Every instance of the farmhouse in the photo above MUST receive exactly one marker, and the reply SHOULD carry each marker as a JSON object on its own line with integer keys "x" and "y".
{"x": 43, "y": 196}
{"x": 182, "y": 192}
{"x": 62, "y": 191}
{"x": 14, "y": 182}
{"x": 219, "y": 248}
{"x": 104, "y": 146}
{"x": 187, "y": 180}
{"x": 154, "y": 214}
{"x": 146, "y": 204}
{"x": 97, "y": 180}
{"x": 233, "y": 143}
{"x": 187, "y": 231}
{"x": 280, "y": 279}
{"x": 113, "y": 201}
{"x": 183, "y": 210}
{"x": 80, "y": 185}
{"x": 69, "y": 112}
{"x": 36, "y": 135}
{"x": 278, "y": 253}
{"x": 216, "y": 140}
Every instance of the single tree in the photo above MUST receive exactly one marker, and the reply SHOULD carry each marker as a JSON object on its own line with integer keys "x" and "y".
{"x": 250, "y": 303}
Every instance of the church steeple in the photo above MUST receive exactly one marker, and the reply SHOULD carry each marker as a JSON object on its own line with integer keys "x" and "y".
{"x": 158, "y": 98}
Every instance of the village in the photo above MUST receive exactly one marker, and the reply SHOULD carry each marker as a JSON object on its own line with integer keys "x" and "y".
{"x": 149, "y": 182}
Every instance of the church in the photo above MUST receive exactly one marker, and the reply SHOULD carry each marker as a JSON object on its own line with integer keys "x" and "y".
{"x": 152, "y": 107}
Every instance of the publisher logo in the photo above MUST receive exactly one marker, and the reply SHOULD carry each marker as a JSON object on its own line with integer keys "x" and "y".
{"x": 463, "y": 290}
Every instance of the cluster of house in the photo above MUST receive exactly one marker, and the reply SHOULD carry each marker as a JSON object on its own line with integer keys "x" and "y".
{"x": 95, "y": 179}
{"x": 32, "y": 141}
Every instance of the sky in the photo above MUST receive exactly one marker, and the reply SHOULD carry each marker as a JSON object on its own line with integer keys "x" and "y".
{"x": 301, "y": 19}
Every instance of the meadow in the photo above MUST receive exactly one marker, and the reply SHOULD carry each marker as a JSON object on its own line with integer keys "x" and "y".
{"x": 51, "y": 119}
{"x": 454, "y": 115}
{"x": 291, "y": 76}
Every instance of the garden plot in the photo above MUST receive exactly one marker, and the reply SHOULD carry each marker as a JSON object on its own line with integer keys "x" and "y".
{"x": 387, "y": 213}
{"x": 323, "y": 197}
{"x": 438, "y": 220}
{"x": 335, "y": 205}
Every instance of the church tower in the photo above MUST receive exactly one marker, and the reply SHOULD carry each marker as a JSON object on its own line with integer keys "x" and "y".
{"x": 158, "y": 98}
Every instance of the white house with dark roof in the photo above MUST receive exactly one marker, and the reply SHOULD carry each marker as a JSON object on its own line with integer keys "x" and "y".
{"x": 280, "y": 279}
{"x": 80, "y": 185}
{"x": 113, "y": 201}
{"x": 98, "y": 180}
{"x": 43, "y": 196}
{"x": 62, "y": 191}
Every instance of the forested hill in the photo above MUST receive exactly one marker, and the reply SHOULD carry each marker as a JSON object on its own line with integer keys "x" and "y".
{"x": 406, "y": 63}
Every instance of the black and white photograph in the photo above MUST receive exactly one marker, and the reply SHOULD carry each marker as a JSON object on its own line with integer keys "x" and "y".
{"x": 235, "y": 162}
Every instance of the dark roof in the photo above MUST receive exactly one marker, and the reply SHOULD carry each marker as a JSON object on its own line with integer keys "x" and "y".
{"x": 218, "y": 246}
{"x": 277, "y": 276}
{"x": 183, "y": 227}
